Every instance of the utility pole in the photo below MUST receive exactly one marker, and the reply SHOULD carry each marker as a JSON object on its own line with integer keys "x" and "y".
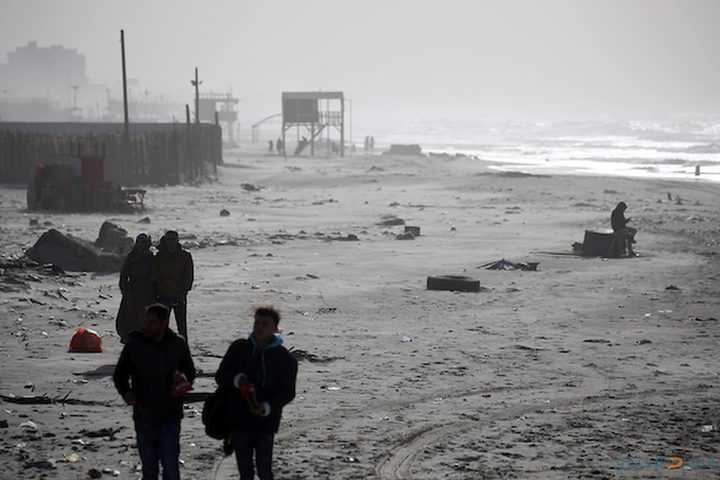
{"x": 124, "y": 79}
{"x": 128, "y": 161}
{"x": 196, "y": 83}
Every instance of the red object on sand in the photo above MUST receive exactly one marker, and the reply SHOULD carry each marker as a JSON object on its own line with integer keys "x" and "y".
{"x": 85, "y": 341}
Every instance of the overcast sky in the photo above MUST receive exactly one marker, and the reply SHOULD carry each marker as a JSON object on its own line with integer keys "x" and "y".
{"x": 418, "y": 58}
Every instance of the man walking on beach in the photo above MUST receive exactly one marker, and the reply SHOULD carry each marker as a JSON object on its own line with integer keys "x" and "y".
{"x": 154, "y": 370}
{"x": 173, "y": 275}
{"x": 260, "y": 375}
{"x": 624, "y": 234}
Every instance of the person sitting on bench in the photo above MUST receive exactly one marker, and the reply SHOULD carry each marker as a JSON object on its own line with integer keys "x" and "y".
{"x": 625, "y": 235}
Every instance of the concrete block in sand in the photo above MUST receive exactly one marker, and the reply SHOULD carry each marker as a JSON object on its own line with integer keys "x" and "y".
{"x": 413, "y": 229}
{"x": 114, "y": 239}
{"x": 73, "y": 254}
{"x": 454, "y": 283}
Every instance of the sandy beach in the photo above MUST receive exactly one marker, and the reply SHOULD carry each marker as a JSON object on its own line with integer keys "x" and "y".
{"x": 586, "y": 368}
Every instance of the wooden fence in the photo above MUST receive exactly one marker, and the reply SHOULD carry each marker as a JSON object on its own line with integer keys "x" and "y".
{"x": 155, "y": 153}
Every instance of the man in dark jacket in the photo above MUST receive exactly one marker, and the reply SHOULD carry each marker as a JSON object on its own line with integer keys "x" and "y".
{"x": 154, "y": 370}
{"x": 624, "y": 234}
{"x": 173, "y": 274}
{"x": 259, "y": 374}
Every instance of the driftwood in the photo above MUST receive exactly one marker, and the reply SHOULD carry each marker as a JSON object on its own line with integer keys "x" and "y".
{"x": 189, "y": 397}
{"x": 47, "y": 400}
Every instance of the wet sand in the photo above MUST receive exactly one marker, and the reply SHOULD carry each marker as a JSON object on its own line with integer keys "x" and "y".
{"x": 576, "y": 370}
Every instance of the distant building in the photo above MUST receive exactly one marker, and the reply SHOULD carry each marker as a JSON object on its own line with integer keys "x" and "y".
{"x": 34, "y": 72}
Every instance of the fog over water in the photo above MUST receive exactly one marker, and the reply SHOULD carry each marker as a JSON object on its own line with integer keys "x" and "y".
{"x": 469, "y": 59}
{"x": 417, "y": 66}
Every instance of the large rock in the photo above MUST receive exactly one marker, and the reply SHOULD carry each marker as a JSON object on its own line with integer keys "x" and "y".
{"x": 73, "y": 254}
{"x": 114, "y": 239}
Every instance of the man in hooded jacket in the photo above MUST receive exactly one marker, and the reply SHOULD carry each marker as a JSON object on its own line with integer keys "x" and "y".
{"x": 173, "y": 274}
{"x": 259, "y": 375}
{"x": 154, "y": 370}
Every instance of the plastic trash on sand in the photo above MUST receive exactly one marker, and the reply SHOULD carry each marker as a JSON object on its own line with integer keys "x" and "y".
{"x": 85, "y": 341}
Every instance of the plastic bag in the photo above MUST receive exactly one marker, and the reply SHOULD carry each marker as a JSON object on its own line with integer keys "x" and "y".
{"x": 85, "y": 341}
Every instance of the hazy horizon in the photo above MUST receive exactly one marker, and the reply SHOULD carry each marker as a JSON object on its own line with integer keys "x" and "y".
{"x": 400, "y": 59}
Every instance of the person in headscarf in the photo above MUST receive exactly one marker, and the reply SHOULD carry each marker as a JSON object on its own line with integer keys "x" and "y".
{"x": 173, "y": 274}
{"x": 137, "y": 288}
{"x": 625, "y": 234}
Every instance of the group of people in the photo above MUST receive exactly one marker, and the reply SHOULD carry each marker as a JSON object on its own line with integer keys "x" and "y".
{"x": 155, "y": 369}
{"x": 165, "y": 278}
{"x": 369, "y": 145}
{"x": 257, "y": 374}
{"x": 279, "y": 146}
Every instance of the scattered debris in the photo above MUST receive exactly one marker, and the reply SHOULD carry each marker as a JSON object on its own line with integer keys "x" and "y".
{"x": 144, "y": 220}
{"x": 224, "y": 213}
{"x": 302, "y": 355}
{"x": 249, "y": 187}
{"x": 46, "y": 400}
{"x": 671, "y": 287}
{"x": 390, "y": 221}
{"x": 101, "y": 433}
{"x": 94, "y": 473}
{"x": 405, "y": 236}
{"x": 350, "y": 237}
{"x": 453, "y": 283}
{"x": 503, "y": 264}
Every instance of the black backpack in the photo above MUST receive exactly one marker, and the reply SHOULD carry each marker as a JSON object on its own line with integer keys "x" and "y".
{"x": 213, "y": 415}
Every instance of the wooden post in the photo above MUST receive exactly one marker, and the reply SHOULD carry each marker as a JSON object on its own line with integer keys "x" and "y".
{"x": 188, "y": 168}
{"x": 342, "y": 126}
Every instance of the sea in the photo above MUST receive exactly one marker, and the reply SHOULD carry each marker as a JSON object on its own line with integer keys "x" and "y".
{"x": 672, "y": 148}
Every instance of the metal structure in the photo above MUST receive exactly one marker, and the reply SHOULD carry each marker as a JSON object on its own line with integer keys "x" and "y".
{"x": 316, "y": 112}
{"x": 256, "y": 126}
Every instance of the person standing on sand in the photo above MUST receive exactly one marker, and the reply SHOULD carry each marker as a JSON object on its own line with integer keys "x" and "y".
{"x": 625, "y": 234}
{"x": 260, "y": 375}
{"x": 155, "y": 369}
{"x": 270, "y": 146}
{"x": 173, "y": 275}
{"x": 137, "y": 290}
{"x": 279, "y": 146}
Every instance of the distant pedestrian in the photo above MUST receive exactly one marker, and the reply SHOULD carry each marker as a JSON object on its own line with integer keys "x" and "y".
{"x": 280, "y": 146}
{"x": 260, "y": 375}
{"x": 366, "y": 145}
{"x": 173, "y": 274}
{"x": 136, "y": 287}
{"x": 372, "y": 144}
{"x": 270, "y": 146}
{"x": 154, "y": 370}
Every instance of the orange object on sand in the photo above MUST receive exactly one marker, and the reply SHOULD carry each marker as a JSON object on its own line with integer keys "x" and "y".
{"x": 85, "y": 341}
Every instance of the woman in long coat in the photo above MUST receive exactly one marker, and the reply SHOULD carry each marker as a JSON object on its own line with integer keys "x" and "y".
{"x": 137, "y": 289}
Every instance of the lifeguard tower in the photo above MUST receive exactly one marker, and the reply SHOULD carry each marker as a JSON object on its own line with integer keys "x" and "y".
{"x": 315, "y": 112}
